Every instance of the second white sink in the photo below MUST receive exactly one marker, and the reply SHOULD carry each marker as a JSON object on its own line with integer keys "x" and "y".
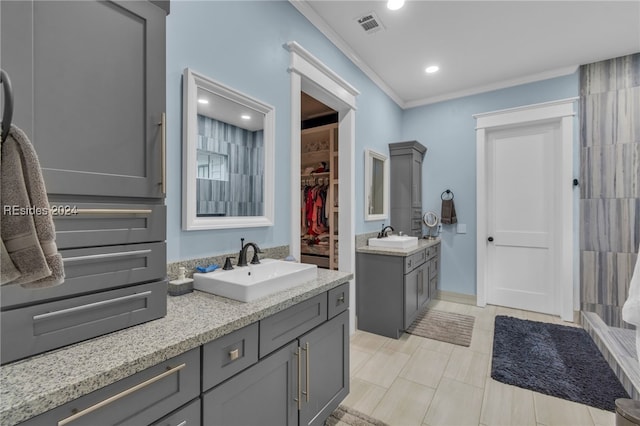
{"x": 394, "y": 241}
{"x": 248, "y": 283}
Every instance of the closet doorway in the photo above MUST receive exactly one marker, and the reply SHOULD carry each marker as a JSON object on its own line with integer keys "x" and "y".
{"x": 319, "y": 184}
{"x": 311, "y": 76}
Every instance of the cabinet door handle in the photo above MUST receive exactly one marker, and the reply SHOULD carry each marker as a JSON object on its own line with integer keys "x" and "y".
{"x": 182, "y": 423}
{"x": 120, "y": 395}
{"x": 163, "y": 131}
{"x": 234, "y": 354}
{"x": 299, "y": 362}
{"x": 306, "y": 349}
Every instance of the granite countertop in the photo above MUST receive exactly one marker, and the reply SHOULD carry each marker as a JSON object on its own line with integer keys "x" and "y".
{"x": 43, "y": 382}
{"x": 422, "y": 244}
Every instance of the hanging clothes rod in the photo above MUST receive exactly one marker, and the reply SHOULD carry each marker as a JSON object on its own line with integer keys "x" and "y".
{"x": 7, "y": 115}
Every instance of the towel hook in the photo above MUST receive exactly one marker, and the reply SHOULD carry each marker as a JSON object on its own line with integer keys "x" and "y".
{"x": 446, "y": 193}
{"x": 7, "y": 115}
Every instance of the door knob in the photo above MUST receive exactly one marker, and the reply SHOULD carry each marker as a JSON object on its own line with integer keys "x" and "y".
{"x": 490, "y": 239}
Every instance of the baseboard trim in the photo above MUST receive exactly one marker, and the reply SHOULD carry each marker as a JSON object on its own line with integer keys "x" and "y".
{"x": 450, "y": 296}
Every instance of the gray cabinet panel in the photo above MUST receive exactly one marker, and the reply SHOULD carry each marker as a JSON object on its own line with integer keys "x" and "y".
{"x": 96, "y": 269}
{"x": 94, "y": 95}
{"x": 262, "y": 395}
{"x": 411, "y": 289}
{"x": 281, "y": 328}
{"x": 229, "y": 355}
{"x": 38, "y": 328}
{"x": 167, "y": 386}
{"x": 379, "y": 294}
{"x": 423, "y": 285}
{"x": 326, "y": 353}
{"x": 103, "y": 224}
{"x": 406, "y": 186}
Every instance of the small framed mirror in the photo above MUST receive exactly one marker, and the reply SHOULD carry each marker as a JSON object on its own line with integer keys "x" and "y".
{"x": 376, "y": 185}
{"x": 227, "y": 157}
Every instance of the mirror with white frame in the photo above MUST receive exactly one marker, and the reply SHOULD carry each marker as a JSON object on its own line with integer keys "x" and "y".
{"x": 227, "y": 157}
{"x": 376, "y": 185}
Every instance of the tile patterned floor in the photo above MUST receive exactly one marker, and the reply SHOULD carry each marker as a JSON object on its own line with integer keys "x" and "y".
{"x": 414, "y": 381}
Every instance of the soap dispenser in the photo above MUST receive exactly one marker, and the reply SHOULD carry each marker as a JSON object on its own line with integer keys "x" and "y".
{"x": 182, "y": 284}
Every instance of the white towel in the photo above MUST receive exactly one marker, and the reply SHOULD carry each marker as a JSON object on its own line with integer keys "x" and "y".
{"x": 631, "y": 308}
{"x": 26, "y": 225}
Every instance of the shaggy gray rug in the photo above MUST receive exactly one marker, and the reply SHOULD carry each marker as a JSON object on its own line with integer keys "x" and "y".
{"x": 444, "y": 326}
{"x": 344, "y": 415}
{"x": 555, "y": 360}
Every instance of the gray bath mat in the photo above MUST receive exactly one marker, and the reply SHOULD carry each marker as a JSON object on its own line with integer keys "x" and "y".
{"x": 345, "y": 416}
{"x": 447, "y": 327}
{"x": 555, "y": 360}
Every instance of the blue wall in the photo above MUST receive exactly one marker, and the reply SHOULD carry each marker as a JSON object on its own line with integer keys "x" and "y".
{"x": 240, "y": 44}
{"x": 447, "y": 129}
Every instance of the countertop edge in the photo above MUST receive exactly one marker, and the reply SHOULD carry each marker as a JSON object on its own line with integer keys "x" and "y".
{"x": 422, "y": 244}
{"x": 27, "y": 408}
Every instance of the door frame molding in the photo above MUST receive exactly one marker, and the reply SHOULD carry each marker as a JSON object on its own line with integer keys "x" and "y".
{"x": 560, "y": 111}
{"x": 310, "y": 75}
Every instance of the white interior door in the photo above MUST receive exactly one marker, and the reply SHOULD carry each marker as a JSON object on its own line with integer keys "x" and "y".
{"x": 522, "y": 208}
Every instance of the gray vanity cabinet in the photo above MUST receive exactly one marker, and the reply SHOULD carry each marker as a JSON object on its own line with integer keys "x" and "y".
{"x": 300, "y": 383}
{"x": 88, "y": 82}
{"x": 89, "y": 91}
{"x": 406, "y": 186}
{"x": 392, "y": 290}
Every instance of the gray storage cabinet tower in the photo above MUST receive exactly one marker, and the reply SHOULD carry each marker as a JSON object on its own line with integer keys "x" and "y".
{"x": 88, "y": 83}
{"x": 406, "y": 186}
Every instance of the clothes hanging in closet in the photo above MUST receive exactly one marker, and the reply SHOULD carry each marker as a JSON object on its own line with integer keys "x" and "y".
{"x": 314, "y": 210}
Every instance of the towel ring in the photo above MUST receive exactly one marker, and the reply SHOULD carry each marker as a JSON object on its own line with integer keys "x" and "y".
{"x": 446, "y": 193}
{"x": 7, "y": 115}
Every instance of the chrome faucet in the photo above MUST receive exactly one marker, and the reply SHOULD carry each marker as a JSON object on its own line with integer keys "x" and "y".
{"x": 383, "y": 233}
{"x": 242, "y": 258}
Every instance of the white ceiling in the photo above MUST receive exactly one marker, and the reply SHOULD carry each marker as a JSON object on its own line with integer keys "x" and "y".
{"x": 479, "y": 45}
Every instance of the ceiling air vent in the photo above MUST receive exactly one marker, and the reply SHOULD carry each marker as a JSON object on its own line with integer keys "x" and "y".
{"x": 370, "y": 23}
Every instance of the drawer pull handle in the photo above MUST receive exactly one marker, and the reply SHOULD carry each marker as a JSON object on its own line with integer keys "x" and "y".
{"x": 146, "y": 212}
{"x": 105, "y": 255}
{"x": 120, "y": 395}
{"x": 234, "y": 354}
{"x": 182, "y": 423}
{"x": 341, "y": 299}
{"x": 90, "y": 306}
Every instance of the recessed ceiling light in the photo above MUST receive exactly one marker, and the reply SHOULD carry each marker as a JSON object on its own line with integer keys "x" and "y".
{"x": 245, "y": 117}
{"x": 395, "y": 4}
{"x": 432, "y": 69}
{"x": 203, "y": 101}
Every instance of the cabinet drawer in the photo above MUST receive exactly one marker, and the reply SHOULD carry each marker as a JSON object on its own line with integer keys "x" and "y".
{"x": 433, "y": 251}
{"x": 417, "y": 214}
{"x": 136, "y": 400}
{"x": 416, "y": 224}
{"x": 97, "y": 224}
{"x": 283, "y": 327}
{"x": 413, "y": 261}
{"x": 338, "y": 300}
{"x": 229, "y": 355}
{"x": 96, "y": 269}
{"x": 37, "y": 328}
{"x": 188, "y": 415}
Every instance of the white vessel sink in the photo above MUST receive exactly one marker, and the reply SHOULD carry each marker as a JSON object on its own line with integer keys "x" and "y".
{"x": 394, "y": 241}
{"x": 251, "y": 282}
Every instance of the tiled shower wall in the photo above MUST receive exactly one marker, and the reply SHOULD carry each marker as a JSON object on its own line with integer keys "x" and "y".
{"x": 242, "y": 194}
{"x": 610, "y": 184}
